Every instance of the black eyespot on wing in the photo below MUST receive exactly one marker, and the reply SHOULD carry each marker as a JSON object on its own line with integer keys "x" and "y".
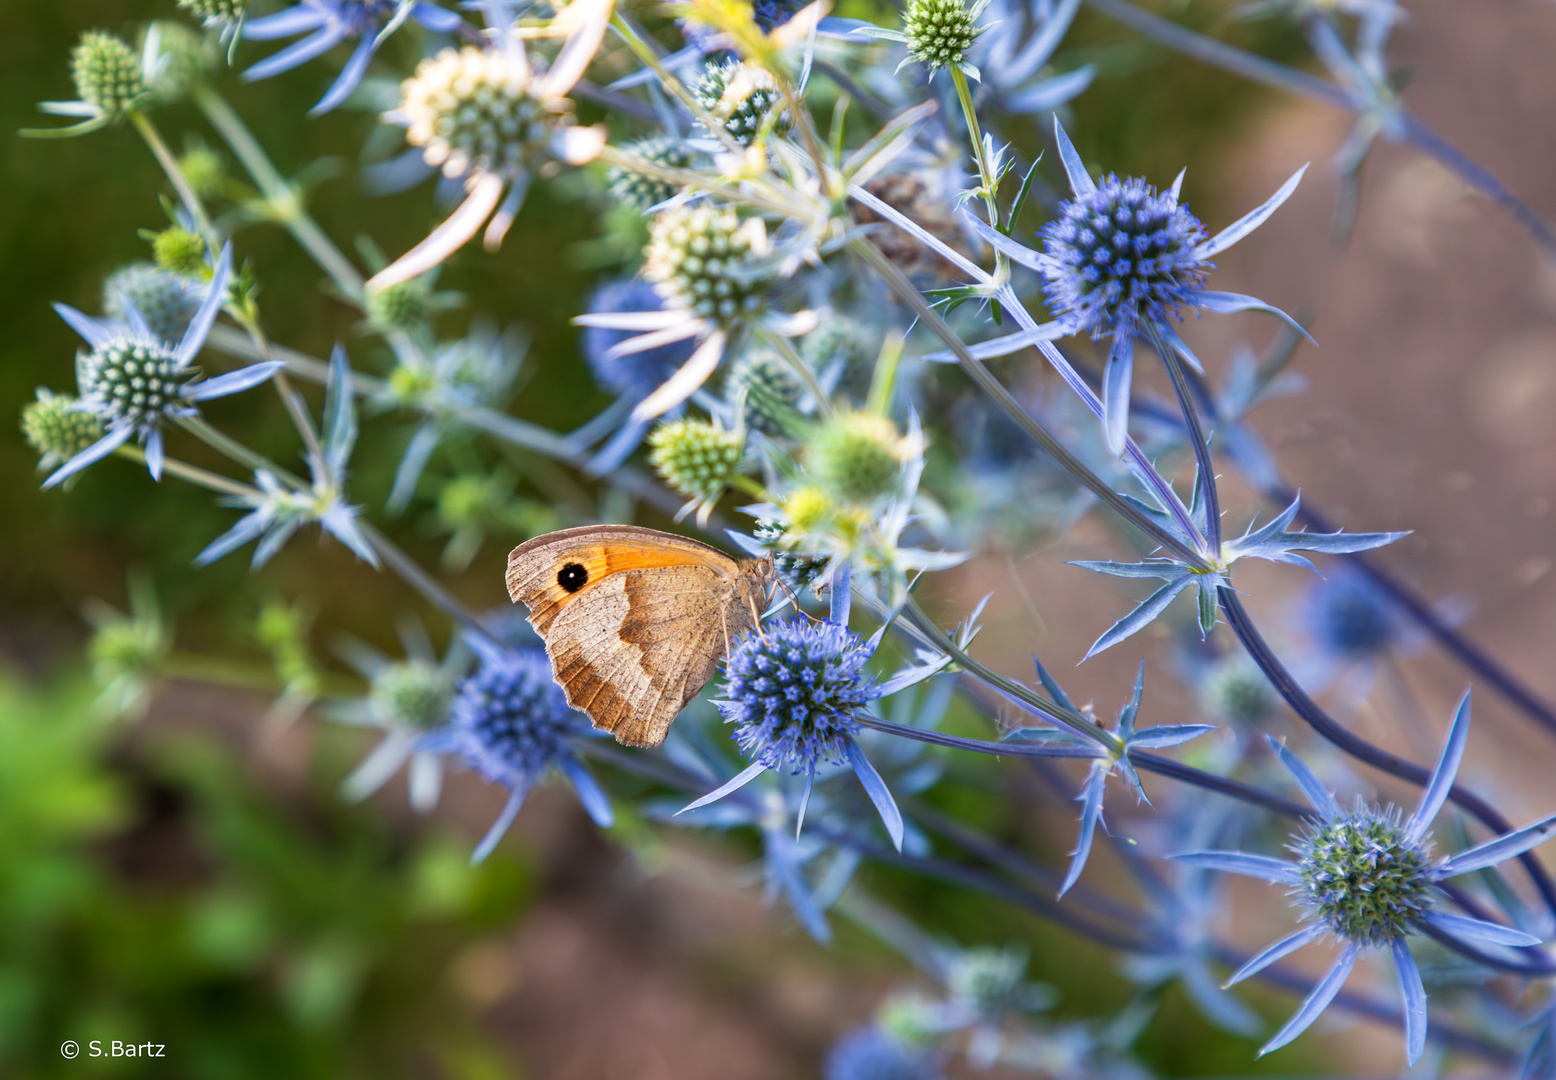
{"x": 572, "y": 577}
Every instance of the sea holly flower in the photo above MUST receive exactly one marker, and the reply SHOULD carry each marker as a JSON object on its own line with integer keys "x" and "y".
{"x": 511, "y": 723}
{"x": 1367, "y": 877}
{"x": 742, "y": 97}
{"x": 1120, "y": 262}
{"x": 794, "y": 692}
{"x": 1107, "y": 757}
{"x": 58, "y": 428}
{"x": 487, "y": 117}
{"x": 406, "y": 698}
{"x": 1274, "y": 542}
{"x": 112, "y": 81}
{"x": 697, "y": 459}
{"x": 134, "y": 382}
{"x": 278, "y": 510}
{"x": 937, "y": 33}
{"x": 327, "y": 23}
{"x": 166, "y": 301}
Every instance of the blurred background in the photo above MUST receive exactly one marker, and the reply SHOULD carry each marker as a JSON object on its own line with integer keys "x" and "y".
{"x": 194, "y": 879}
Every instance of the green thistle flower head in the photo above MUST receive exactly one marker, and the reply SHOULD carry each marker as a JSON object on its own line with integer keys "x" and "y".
{"x": 772, "y": 392}
{"x": 740, "y": 96}
{"x": 164, "y": 300}
{"x": 215, "y": 11}
{"x": 179, "y": 251}
{"x": 107, "y": 74}
{"x": 939, "y": 32}
{"x": 640, "y": 190}
{"x": 705, "y": 258}
{"x": 1236, "y": 690}
{"x": 1363, "y": 876}
{"x": 856, "y": 457}
{"x": 57, "y": 429}
{"x": 695, "y": 457}
{"x": 204, "y": 170}
{"x": 471, "y": 108}
{"x": 404, "y": 306}
{"x": 413, "y": 693}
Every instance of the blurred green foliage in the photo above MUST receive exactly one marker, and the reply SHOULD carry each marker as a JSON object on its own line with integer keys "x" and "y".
{"x": 149, "y": 892}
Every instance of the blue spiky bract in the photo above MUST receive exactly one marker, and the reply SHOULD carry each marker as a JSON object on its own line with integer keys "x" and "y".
{"x": 792, "y": 691}
{"x": 1121, "y": 255}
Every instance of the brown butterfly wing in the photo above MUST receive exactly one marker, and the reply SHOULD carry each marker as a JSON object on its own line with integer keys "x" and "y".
{"x": 635, "y": 621}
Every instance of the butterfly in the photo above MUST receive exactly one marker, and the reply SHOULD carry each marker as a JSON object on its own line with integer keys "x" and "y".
{"x": 635, "y": 621}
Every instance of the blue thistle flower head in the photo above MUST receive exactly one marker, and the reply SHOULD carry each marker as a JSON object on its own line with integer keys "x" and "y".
{"x": 767, "y": 14}
{"x": 635, "y": 374}
{"x": 1347, "y": 615}
{"x": 792, "y": 691}
{"x": 872, "y": 1054}
{"x": 1122, "y": 254}
{"x": 1364, "y": 875}
{"x": 322, "y": 24}
{"x": 510, "y": 719}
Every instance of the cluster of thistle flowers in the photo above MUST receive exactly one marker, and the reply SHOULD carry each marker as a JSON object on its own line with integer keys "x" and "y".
{"x": 766, "y": 346}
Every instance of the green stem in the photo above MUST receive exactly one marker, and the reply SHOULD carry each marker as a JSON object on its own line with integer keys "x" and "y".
{"x": 990, "y": 181}
{"x": 186, "y": 194}
{"x": 225, "y": 444}
{"x": 282, "y": 197}
{"x": 192, "y": 473}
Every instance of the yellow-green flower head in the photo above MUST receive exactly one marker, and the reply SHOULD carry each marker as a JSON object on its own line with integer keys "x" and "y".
{"x": 695, "y": 457}
{"x": 939, "y": 32}
{"x": 179, "y": 251}
{"x": 107, "y": 73}
{"x": 856, "y": 457}
{"x": 403, "y": 306}
{"x": 740, "y": 96}
{"x": 58, "y": 428}
{"x": 704, "y": 258}
{"x": 413, "y": 693}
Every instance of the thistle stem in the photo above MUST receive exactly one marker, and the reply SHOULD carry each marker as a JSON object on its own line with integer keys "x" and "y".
{"x": 283, "y": 199}
{"x": 1202, "y": 458}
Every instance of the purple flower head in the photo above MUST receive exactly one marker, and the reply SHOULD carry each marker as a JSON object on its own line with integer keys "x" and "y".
{"x": 792, "y": 691}
{"x": 635, "y": 374}
{"x": 511, "y": 723}
{"x": 869, "y": 1053}
{"x": 327, "y": 23}
{"x": 1120, "y": 254}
